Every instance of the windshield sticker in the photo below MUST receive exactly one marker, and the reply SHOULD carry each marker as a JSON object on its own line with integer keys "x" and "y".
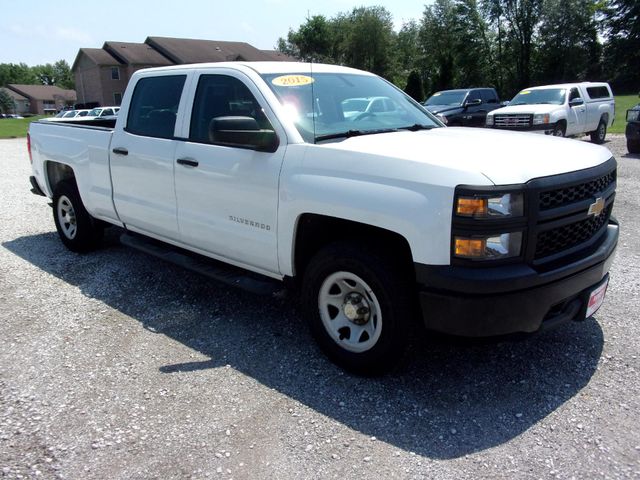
{"x": 292, "y": 80}
{"x": 437, "y": 94}
{"x": 525, "y": 92}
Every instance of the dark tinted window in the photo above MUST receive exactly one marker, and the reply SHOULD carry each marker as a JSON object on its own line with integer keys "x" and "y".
{"x": 473, "y": 95}
{"x": 222, "y": 96}
{"x": 598, "y": 92}
{"x": 115, "y": 73}
{"x": 489, "y": 96}
{"x": 154, "y": 106}
{"x": 574, "y": 94}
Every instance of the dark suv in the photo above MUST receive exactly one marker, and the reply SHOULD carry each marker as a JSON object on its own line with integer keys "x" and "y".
{"x": 633, "y": 129}
{"x": 464, "y": 107}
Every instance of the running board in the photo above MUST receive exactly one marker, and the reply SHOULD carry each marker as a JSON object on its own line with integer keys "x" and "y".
{"x": 222, "y": 272}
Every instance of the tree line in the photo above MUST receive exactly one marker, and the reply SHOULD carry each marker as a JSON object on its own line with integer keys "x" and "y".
{"x": 507, "y": 44}
{"x": 58, "y": 73}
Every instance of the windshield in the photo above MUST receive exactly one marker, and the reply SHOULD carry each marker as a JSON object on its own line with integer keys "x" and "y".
{"x": 446, "y": 98}
{"x": 554, "y": 96}
{"x": 332, "y": 105}
{"x": 95, "y": 112}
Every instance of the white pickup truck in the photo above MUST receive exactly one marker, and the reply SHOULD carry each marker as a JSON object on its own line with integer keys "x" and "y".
{"x": 568, "y": 109}
{"x": 253, "y": 174}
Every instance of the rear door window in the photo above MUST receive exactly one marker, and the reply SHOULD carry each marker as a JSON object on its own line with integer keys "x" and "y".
{"x": 489, "y": 96}
{"x": 598, "y": 92}
{"x": 154, "y": 106}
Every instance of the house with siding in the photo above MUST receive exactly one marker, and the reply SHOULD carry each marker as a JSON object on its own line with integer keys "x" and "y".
{"x": 20, "y": 102}
{"x": 102, "y": 74}
{"x": 44, "y": 99}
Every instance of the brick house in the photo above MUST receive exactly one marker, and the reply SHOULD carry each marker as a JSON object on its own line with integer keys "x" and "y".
{"x": 20, "y": 102}
{"x": 102, "y": 74}
{"x": 43, "y": 99}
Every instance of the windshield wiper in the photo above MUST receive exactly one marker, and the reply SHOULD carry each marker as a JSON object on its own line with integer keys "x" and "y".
{"x": 417, "y": 126}
{"x": 352, "y": 133}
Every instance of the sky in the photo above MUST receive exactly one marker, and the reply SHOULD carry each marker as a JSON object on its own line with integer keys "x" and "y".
{"x": 47, "y": 31}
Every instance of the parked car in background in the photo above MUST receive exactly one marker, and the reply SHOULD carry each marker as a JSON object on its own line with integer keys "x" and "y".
{"x": 70, "y": 115}
{"x": 559, "y": 110}
{"x": 632, "y": 131}
{"x": 103, "y": 112}
{"x": 463, "y": 107}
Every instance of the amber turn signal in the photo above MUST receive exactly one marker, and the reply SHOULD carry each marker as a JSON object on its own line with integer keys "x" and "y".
{"x": 470, "y": 247}
{"x": 470, "y": 206}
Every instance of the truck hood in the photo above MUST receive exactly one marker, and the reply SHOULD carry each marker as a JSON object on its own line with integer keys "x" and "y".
{"x": 503, "y": 157}
{"x": 543, "y": 108}
{"x": 442, "y": 108}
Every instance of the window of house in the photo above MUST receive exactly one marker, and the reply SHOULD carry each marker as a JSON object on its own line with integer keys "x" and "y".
{"x": 221, "y": 96}
{"x": 115, "y": 73}
{"x": 117, "y": 98}
{"x": 154, "y": 105}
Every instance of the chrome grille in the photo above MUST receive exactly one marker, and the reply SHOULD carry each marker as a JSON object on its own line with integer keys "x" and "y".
{"x": 512, "y": 121}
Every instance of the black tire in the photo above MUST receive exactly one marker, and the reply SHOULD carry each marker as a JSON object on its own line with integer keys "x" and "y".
{"x": 559, "y": 130}
{"x": 633, "y": 146}
{"x": 78, "y": 230}
{"x": 600, "y": 133}
{"x": 390, "y": 288}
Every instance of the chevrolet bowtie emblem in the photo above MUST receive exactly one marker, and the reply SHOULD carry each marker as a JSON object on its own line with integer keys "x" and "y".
{"x": 596, "y": 207}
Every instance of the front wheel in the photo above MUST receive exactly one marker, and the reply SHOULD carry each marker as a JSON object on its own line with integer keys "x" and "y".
{"x": 359, "y": 307}
{"x": 559, "y": 130}
{"x": 633, "y": 146}
{"x": 601, "y": 132}
{"x": 78, "y": 230}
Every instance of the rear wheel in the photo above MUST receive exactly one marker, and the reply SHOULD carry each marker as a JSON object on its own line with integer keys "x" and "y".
{"x": 359, "y": 307}
{"x": 78, "y": 230}
{"x": 600, "y": 133}
{"x": 633, "y": 146}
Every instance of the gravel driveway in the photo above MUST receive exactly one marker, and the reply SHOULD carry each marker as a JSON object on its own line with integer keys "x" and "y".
{"x": 116, "y": 365}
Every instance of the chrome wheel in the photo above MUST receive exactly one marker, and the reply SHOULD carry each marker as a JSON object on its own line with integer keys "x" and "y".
{"x": 350, "y": 312}
{"x": 67, "y": 217}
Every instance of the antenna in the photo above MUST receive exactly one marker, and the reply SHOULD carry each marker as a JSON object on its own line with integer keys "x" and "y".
{"x": 313, "y": 99}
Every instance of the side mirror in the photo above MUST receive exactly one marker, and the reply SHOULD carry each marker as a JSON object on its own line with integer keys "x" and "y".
{"x": 505, "y": 103}
{"x": 576, "y": 102}
{"x": 242, "y": 132}
{"x": 472, "y": 103}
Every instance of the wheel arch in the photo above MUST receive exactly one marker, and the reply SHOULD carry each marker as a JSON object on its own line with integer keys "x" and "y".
{"x": 57, "y": 172}
{"x": 315, "y": 231}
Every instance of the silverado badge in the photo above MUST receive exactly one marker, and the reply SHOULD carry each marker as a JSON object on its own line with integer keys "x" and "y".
{"x": 596, "y": 207}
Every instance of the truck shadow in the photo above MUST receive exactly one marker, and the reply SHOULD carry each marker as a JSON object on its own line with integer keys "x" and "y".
{"x": 448, "y": 400}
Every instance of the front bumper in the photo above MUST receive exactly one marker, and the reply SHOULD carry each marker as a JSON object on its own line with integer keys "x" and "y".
{"x": 482, "y": 302}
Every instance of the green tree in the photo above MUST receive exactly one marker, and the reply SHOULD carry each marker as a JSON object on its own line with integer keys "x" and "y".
{"x": 568, "y": 46}
{"x": 516, "y": 23}
{"x": 414, "y": 86}
{"x": 63, "y": 75}
{"x": 45, "y": 74}
{"x": 622, "y": 48}
{"x": 409, "y": 56}
{"x": 6, "y": 102}
{"x": 312, "y": 41}
{"x": 16, "y": 73}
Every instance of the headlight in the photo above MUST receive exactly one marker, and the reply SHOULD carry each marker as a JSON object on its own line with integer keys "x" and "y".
{"x": 490, "y": 205}
{"x": 489, "y": 247}
{"x": 541, "y": 119}
{"x": 633, "y": 115}
{"x": 489, "y": 120}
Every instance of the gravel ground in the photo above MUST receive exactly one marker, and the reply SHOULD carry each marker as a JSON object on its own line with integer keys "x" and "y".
{"x": 116, "y": 365}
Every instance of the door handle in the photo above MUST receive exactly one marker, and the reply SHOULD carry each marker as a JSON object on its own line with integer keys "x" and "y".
{"x": 120, "y": 151}
{"x": 188, "y": 162}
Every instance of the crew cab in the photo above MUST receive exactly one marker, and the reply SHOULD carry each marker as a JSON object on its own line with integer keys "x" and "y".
{"x": 466, "y": 107}
{"x": 560, "y": 110}
{"x": 253, "y": 174}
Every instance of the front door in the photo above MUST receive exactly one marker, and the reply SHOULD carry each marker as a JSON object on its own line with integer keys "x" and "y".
{"x": 227, "y": 197}
{"x": 577, "y": 114}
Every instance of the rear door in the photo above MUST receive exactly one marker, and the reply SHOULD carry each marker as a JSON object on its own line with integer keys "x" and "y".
{"x": 143, "y": 154}
{"x": 228, "y": 196}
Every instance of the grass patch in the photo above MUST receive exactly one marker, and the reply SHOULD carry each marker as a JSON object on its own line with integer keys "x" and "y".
{"x": 16, "y": 127}
{"x": 623, "y": 103}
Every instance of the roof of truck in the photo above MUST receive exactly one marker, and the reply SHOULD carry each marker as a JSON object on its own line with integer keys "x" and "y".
{"x": 270, "y": 67}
